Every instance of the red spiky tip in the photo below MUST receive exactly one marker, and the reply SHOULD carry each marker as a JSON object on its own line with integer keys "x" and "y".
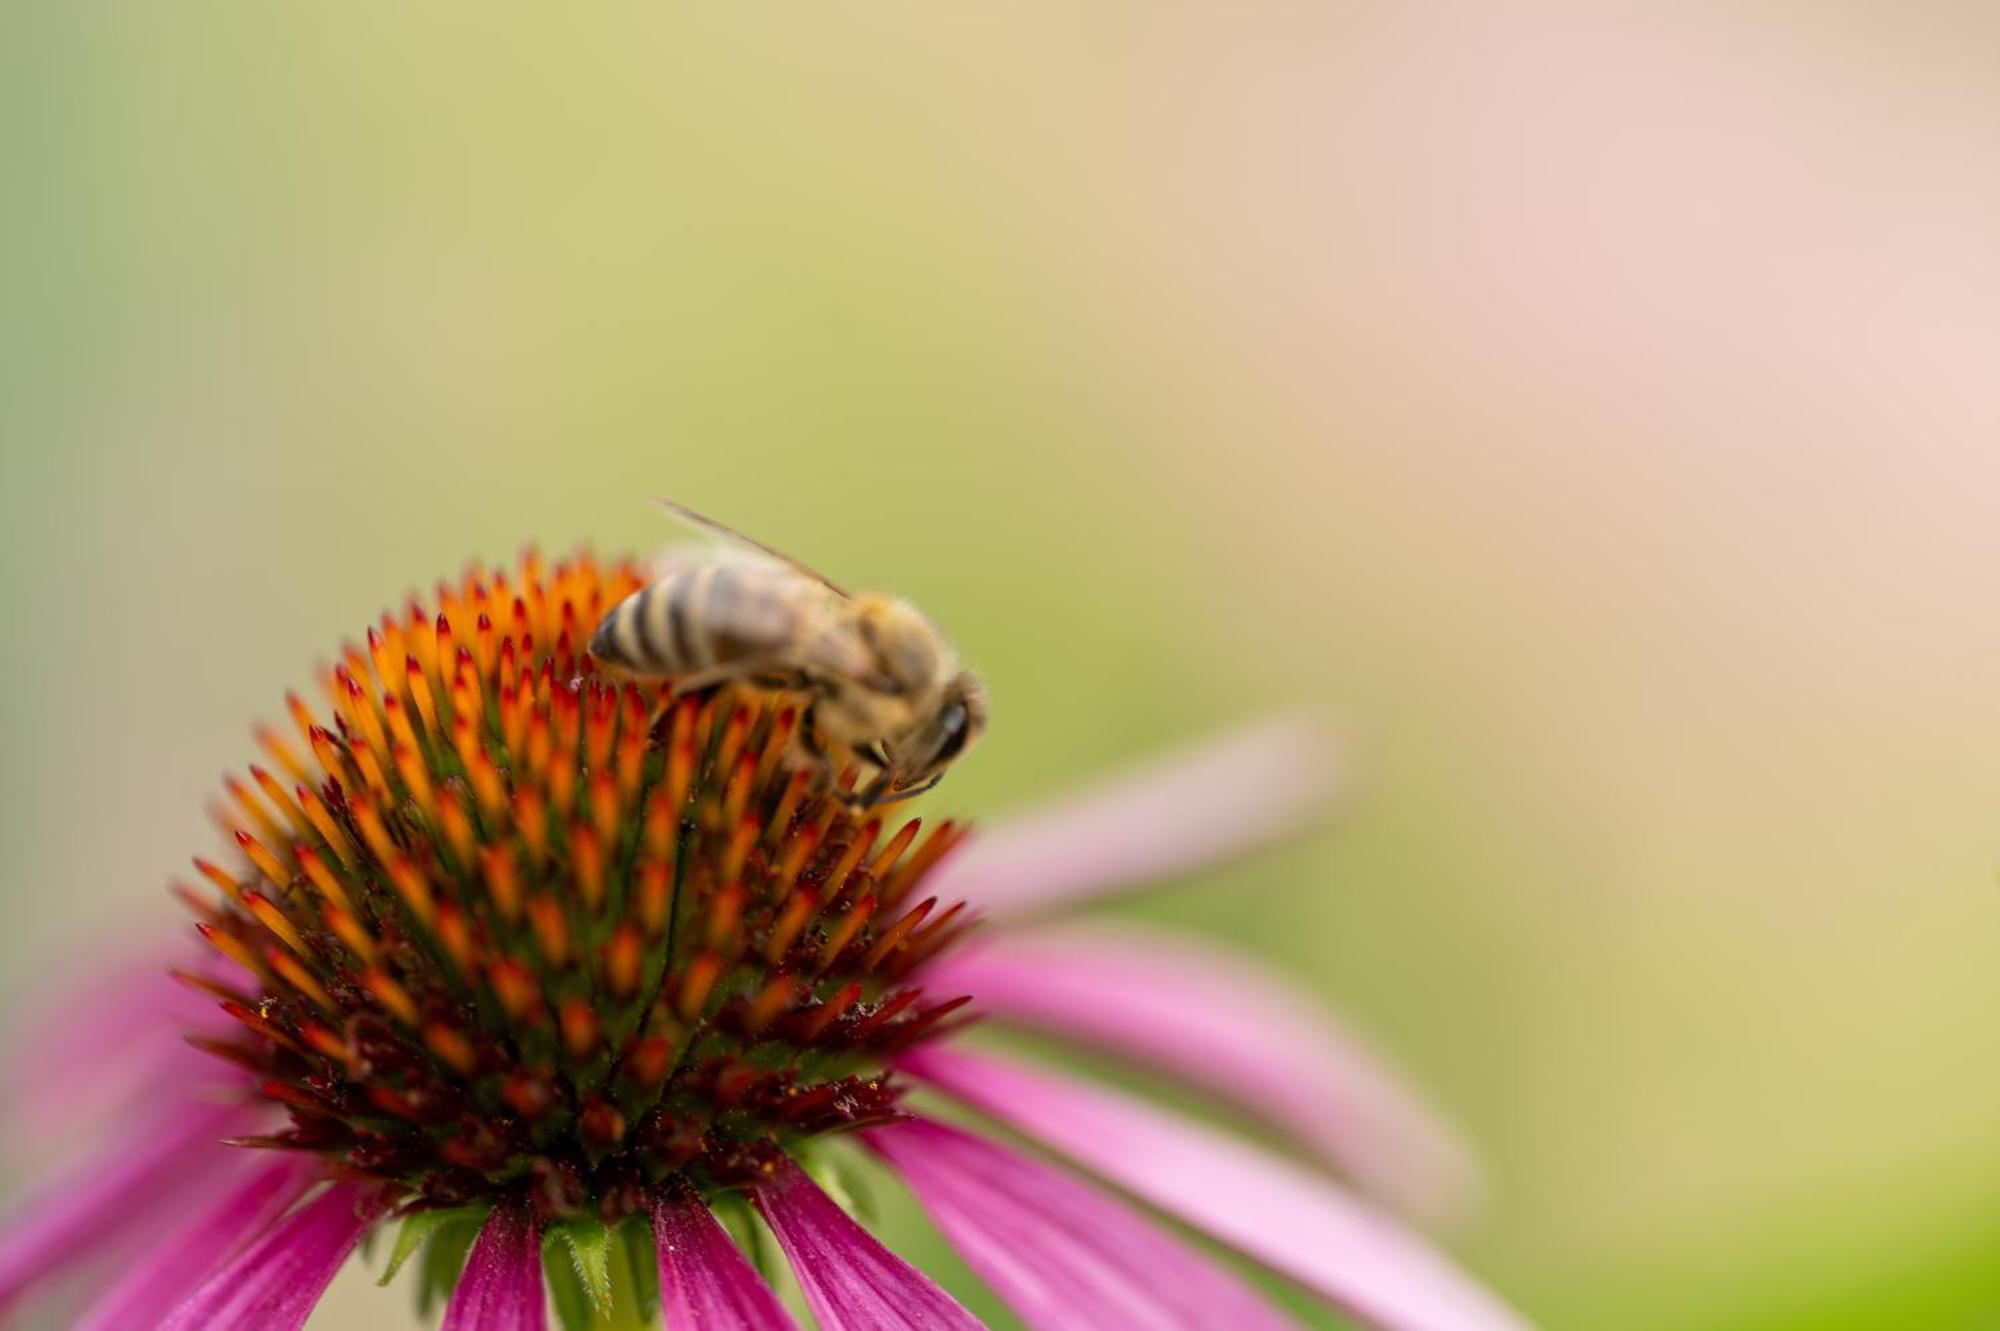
{"x": 517, "y": 928}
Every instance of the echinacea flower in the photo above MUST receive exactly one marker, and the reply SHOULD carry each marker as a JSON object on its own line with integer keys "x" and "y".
{"x": 585, "y": 987}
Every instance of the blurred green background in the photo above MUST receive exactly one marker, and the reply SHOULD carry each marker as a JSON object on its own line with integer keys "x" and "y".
{"x": 1597, "y": 416}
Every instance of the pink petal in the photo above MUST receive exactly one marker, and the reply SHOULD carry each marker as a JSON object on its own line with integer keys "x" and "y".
{"x": 1062, "y": 1254}
{"x": 501, "y": 1289}
{"x": 852, "y": 1282}
{"x": 1287, "y": 1217}
{"x": 105, "y": 1202}
{"x": 1234, "y": 1030}
{"x": 102, "y": 1046}
{"x": 705, "y": 1281}
{"x": 274, "y": 1283}
{"x": 1251, "y": 786}
{"x": 156, "y": 1285}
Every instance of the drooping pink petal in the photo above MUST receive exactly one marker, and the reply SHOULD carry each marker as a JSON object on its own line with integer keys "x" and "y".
{"x": 1287, "y": 1217}
{"x": 1063, "y": 1255}
{"x": 705, "y": 1281}
{"x": 501, "y": 1289}
{"x": 161, "y": 1279}
{"x": 1248, "y": 787}
{"x": 103, "y": 1202}
{"x": 851, "y": 1281}
{"x": 275, "y": 1281}
{"x": 1205, "y": 1015}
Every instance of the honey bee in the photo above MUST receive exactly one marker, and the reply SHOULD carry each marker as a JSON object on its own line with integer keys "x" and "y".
{"x": 882, "y": 686}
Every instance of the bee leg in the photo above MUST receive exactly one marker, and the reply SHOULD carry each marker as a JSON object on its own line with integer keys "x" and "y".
{"x": 809, "y": 748}
{"x": 875, "y": 792}
{"x": 661, "y": 718}
{"x": 807, "y": 735}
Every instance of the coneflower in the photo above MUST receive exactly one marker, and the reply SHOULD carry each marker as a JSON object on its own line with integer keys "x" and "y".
{"x": 582, "y": 986}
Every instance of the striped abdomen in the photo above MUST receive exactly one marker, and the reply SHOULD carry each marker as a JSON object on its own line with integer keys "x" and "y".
{"x": 711, "y": 620}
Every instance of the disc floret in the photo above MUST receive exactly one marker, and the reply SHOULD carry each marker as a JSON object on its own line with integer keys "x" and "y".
{"x": 517, "y": 928}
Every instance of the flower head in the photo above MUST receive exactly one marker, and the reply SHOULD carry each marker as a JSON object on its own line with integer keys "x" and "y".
{"x": 544, "y": 964}
{"x": 519, "y": 931}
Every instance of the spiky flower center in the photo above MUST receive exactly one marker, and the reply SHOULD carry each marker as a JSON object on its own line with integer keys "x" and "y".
{"x": 517, "y": 928}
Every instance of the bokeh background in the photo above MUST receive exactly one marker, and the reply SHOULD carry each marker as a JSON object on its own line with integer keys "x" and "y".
{"x": 1597, "y": 414}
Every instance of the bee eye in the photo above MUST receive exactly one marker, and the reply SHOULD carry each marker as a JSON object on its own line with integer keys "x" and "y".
{"x": 952, "y": 721}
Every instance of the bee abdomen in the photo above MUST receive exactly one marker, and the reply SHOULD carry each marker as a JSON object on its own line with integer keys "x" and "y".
{"x": 696, "y": 620}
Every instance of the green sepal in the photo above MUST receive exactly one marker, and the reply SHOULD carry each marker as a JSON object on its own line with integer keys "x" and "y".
{"x": 642, "y": 1265}
{"x": 419, "y": 1226}
{"x": 589, "y": 1249}
{"x": 632, "y": 1294}
{"x": 566, "y": 1290}
{"x": 844, "y": 1176}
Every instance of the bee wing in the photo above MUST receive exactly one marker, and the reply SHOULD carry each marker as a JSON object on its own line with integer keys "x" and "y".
{"x": 702, "y": 522}
{"x": 840, "y": 652}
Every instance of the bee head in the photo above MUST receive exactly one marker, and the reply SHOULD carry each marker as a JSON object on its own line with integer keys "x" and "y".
{"x": 941, "y": 735}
